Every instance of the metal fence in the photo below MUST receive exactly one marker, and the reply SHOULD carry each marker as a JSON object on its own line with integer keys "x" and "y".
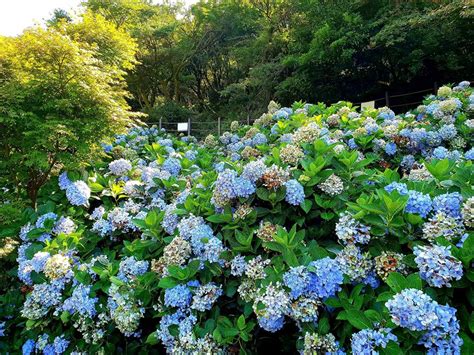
{"x": 397, "y": 102}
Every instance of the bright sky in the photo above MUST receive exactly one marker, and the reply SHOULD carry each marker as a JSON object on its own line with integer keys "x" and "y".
{"x": 16, "y": 15}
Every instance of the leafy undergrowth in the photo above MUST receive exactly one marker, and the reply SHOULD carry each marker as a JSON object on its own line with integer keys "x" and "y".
{"x": 318, "y": 229}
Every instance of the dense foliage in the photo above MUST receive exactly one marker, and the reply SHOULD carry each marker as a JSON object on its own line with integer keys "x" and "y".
{"x": 62, "y": 89}
{"x": 322, "y": 229}
{"x": 229, "y": 58}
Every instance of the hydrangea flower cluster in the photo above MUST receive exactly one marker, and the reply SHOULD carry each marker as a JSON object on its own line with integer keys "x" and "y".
{"x": 416, "y": 311}
{"x": 120, "y": 167}
{"x": 418, "y": 203}
{"x": 349, "y": 230}
{"x": 282, "y": 226}
{"x": 230, "y": 186}
{"x": 321, "y": 279}
{"x": 78, "y": 193}
{"x": 333, "y": 185}
{"x": 437, "y": 266}
{"x": 271, "y": 307}
{"x": 366, "y": 341}
{"x": 294, "y": 193}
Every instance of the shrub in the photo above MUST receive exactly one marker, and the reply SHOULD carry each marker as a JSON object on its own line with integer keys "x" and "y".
{"x": 351, "y": 246}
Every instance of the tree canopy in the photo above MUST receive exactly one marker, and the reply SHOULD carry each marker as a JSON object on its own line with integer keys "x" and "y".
{"x": 230, "y": 57}
{"x": 62, "y": 90}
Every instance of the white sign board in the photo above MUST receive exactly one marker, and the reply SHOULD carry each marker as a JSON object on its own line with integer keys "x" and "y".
{"x": 367, "y": 105}
{"x": 183, "y": 127}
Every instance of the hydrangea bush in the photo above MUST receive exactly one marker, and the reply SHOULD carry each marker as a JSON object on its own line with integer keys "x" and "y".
{"x": 315, "y": 230}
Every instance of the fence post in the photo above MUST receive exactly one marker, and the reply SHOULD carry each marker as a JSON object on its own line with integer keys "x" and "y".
{"x": 189, "y": 126}
{"x": 218, "y": 126}
{"x": 435, "y": 86}
{"x": 160, "y": 124}
{"x": 248, "y": 119}
{"x": 387, "y": 101}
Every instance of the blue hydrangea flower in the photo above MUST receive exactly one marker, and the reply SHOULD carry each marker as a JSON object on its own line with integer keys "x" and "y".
{"x": 120, "y": 167}
{"x": 78, "y": 193}
{"x": 271, "y": 307}
{"x": 107, "y": 147}
{"x": 259, "y": 139}
{"x": 416, "y": 311}
{"x": 173, "y": 166}
{"x": 366, "y": 341}
{"x": 390, "y": 148}
{"x": 469, "y": 155}
{"x": 41, "y": 299}
{"x": 448, "y": 132}
{"x": 81, "y": 302}
{"x": 65, "y": 225}
{"x": 130, "y": 268}
{"x": 63, "y": 181}
{"x": 386, "y": 114}
{"x": 371, "y": 280}
{"x": 170, "y": 219}
{"x": 60, "y": 345}
{"x": 39, "y": 260}
{"x": 254, "y": 170}
{"x": 407, "y": 162}
{"x": 418, "y": 203}
{"x": 297, "y": 279}
{"x": 178, "y": 296}
{"x": 43, "y": 218}
{"x": 400, "y": 187}
{"x": 349, "y": 230}
{"x": 413, "y": 309}
{"x": 185, "y": 323}
{"x": 209, "y": 250}
{"x": 28, "y": 347}
{"x": 271, "y": 324}
{"x": 437, "y": 266}
{"x": 286, "y": 138}
{"x": 238, "y": 266}
{"x": 433, "y": 138}
{"x": 294, "y": 192}
{"x": 352, "y": 144}
{"x": 449, "y": 203}
{"x": 229, "y": 186}
{"x": 205, "y": 296}
{"x": 440, "y": 153}
{"x": 191, "y": 155}
{"x": 243, "y": 187}
{"x": 326, "y": 278}
{"x": 281, "y": 114}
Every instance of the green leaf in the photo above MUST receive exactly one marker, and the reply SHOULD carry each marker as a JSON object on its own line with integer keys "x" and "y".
{"x": 65, "y": 316}
{"x": 414, "y": 281}
{"x": 306, "y": 205}
{"x": 152, "y": 339}
{"x": 167, "y": 282}
{"x": 333, "y": 302}
{"x": 358, "y": 319}
{"x": 396, "y": 282}
{"x": 384, "y": 296}
{"x": 323, "y": 325}
{"x": 220, "y": 218}
{"x": 373, "y": 315}
{"x": 96, "y": 187}
{"x": 241, "y": 322}
{"x": 115, "y": 280}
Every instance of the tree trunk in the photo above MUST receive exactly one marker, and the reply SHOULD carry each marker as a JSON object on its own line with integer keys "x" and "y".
{"x": 32, "y": 191}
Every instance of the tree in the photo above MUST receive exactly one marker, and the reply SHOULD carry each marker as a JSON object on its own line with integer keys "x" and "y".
{"x": 62, "y": 91}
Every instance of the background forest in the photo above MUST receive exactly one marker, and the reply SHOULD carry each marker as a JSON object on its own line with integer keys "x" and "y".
{"x": 230, "y": 58}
